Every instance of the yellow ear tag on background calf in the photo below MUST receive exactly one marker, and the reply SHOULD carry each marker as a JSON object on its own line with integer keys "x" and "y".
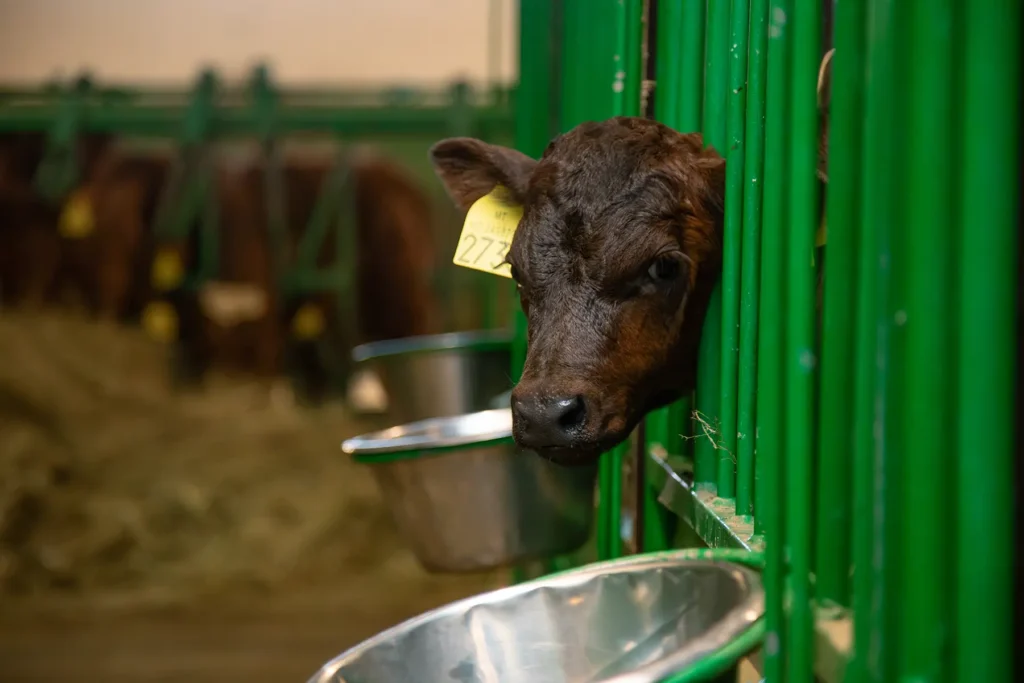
{"x": 308, "y": 322}
{"x": 487, "y": 233}
{"x": 160, "y": 321}
{"x": 76, "y": 220}
{"x": 168, "y": 270}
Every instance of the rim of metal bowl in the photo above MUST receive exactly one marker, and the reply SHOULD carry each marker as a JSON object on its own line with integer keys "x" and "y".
{"x": 475, "y": 340}
{"x": 432, "y": 436}
{"x": 731, "y": 644}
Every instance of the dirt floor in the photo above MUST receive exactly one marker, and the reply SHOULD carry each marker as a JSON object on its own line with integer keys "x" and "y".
{"x": 148, "y": 536}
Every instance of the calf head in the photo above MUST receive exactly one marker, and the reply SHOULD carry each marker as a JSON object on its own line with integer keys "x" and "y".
{"x": 615, "y": 258}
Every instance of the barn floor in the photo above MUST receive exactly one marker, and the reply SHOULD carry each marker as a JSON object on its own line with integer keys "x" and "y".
{"x": 146, "y": 536}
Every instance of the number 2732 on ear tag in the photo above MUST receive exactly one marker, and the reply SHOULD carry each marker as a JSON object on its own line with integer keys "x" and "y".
{"x": 487, "y": 233}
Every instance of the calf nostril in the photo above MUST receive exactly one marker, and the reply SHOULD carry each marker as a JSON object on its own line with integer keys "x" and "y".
{"x": 573, "y": 413}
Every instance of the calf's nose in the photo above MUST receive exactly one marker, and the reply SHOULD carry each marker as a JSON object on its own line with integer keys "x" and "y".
{"x": 546, "y": 422}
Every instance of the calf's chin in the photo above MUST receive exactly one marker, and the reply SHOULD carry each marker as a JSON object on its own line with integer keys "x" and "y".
{"x": 614, "y": 259}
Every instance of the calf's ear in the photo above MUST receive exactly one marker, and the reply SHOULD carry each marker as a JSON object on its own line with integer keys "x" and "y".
{"x": 470, "y": 168}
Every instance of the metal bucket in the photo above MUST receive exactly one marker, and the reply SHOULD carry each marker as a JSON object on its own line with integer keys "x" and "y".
{"x": 467, "y": 499}
{"x": 679, "y": 616}
{"x": 442, "y": 374}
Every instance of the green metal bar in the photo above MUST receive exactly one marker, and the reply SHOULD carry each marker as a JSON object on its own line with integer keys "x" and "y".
{"x": 874, "y": 641}
{"x": 835, "y": 436}
{"x": 265, "y": 104}
{"x": 625, "y": 84}
{"x": 689, "y": 96}
{"x": 664, "y": 424}
{"x": 709, "y": 367}
{"x": 329, "y": 203}
{"x": 716, "y": 83}
{"x": 988, "y": 344}
{"x": 540, "y": 60}
{"x": 58, "y": 171}
{"x": 658, "y": 523}
{"x": 769, "y": 440}
{"x": 706, "y": 405}
{"x": 691, "y": 67}
{"x": 668, "y": 57}
{"x": 691, "y": 93}
{"x": 924, "y": 610}
{"x": 799, "y": 354}
{"x": 751, "y": 272}
{"x": 737, "y": 102}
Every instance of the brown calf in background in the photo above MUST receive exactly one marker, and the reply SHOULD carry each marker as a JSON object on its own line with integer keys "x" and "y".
{"x": 240, "y": 321}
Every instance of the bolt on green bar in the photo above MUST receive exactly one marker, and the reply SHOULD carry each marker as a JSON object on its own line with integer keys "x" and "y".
{"x": 769, "y": 435}
{"x": 835, "y": 433}
{"x": 733, "y": 241}
{"x": 757, "y": 64}
{"x": 988, "y": 343}
{"x": 800, "y": 361}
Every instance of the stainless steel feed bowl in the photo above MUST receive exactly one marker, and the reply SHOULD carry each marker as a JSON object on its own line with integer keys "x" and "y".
{"x": 466, "y": 498}
{"x": 646, "y": 618}
{"x": 442, "y": 374}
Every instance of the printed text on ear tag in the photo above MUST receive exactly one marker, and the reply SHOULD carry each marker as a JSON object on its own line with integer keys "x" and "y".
{"x": 487, "y": 233}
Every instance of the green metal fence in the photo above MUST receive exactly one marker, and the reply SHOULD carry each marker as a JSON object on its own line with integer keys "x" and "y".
{"x": 863, "y": 442}
{"x": 401, "y": 121}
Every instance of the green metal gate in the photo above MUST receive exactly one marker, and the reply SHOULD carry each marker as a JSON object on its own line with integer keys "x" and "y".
{"x": 863, "y": 444}
{"x": 212, "y": 112}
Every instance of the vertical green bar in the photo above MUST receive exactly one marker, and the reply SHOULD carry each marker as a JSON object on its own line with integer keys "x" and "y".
{"x": 716, "y": 84}
{"x": 754, "y": 167}
{"x": 539, "y": 56}
{"x": 602, "y": 61}
{"x": 709, "y": 367}
{"x": 835, "y": 437}
{"x": 928, "y": 452}
{"x": 874, "y": 462}
{"x": 659, "y": 523}
{"x": 733, "y": 241}
{"x": 691, "y": 68}
{"x": 661, "y": 424}
{"x": 539, "y": 63}
{"x": 691, "y": 104}
{"x": 988, "y": 341}
{"x": 770, "y": 439}
{"x": 799, "y": 354}
{"x": 669, "y": 58}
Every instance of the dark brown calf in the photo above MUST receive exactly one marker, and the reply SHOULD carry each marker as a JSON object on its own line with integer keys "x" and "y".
{"x": 615, "y": 258}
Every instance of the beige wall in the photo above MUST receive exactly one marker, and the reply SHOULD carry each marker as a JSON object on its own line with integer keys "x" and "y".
{"x": 328, "y": 41}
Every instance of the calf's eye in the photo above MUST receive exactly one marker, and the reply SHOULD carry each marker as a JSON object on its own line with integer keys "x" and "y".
{"x": 664, "y": 269}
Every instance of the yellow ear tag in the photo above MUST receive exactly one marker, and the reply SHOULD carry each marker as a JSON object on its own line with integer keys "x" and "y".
{"x": 487, "y": 233}
{"x": 308, "y": 322}
{"x": 160, "y": 321}
{"x": 168, "y": 270}
{"x": 77, "y": 220}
